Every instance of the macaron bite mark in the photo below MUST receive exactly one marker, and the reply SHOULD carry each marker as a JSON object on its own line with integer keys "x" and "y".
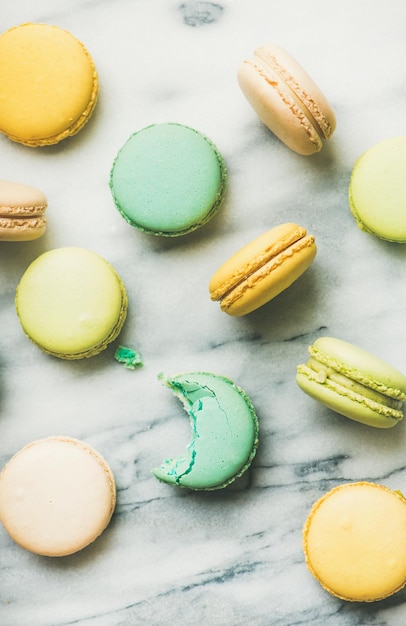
{"x": 224, "y": 432}
{"x": 286, "y": 99}
{"x": 353, "y": 382}
{"x": 262, "y": 269}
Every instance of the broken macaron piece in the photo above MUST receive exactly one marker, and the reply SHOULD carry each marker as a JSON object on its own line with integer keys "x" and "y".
{"x": 224, "y": 432}
{"x": 286, "y": 99}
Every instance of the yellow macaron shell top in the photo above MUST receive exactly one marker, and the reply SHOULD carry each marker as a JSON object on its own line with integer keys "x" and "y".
{"x": 262, "y": 269}
{"x": 57, "y": 495}
{"x": 354, "y": 541}
{"x": 48, "y": 84}
{"x": 71, "y": 302}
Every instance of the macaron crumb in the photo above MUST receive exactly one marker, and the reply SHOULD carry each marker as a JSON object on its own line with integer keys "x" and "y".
{"x": 129, "y": 357}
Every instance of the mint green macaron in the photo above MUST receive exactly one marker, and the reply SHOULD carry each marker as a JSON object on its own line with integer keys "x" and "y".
{"x": 168, "y": 179}
{"x": 224, "y": 432}
{"x": 377, "y": 191}
{"x": 353, "y": 382}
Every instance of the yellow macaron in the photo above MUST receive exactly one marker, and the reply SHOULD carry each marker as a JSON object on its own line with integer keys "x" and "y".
{"x": 354, "y": 541}
{"x": 262, "y": 269}
{"x": 49, "y": 84}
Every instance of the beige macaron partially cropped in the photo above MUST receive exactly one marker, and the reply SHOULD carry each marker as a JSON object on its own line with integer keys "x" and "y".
{"x": 22, "y": 212}
{"x": 57, "y": 495}
{"x": 354, "y": 541}
{"x": 286, "y": 99}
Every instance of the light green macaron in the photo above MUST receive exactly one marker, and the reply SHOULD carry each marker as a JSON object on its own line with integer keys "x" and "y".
{"x": 224, "y": 432}
{"x": 353, "y": 382}
{"x": 71, "y": 302}
{"x": 377, "y": 191}
{"x": 168, "y": 179}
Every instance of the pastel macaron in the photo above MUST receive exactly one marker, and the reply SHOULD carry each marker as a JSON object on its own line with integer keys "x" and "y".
{"x": 286, "y": 99}
{"x": 224, "y": 432}
{"x": 71, "y": 302}
{"x": 354, "y": 541}
{"x": 377, "y": 190}
{"x": 353, "y": 382}
{"x": 57, "y": 495}
{"x": 168, "y": 180}
{"x": 49, "y": 84}
{"x": 262, "y": 269}
{"x": 22, "y": 212}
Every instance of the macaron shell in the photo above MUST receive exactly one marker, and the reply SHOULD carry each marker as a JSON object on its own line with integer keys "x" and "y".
{"x": 354, "y": 541}
{"x": 191, "y": 173}
{"x": 346, "y": 403}
{"x": 225, "y": 433}
{"x": 360, "y": 365}
{"x": 49, "y": 84}
{"x": 57, "y": 495}
{"x": 262, "y": 269}
{"x": 377, "y": 191}
{"x": 286, "y": 99}
{"x": 71, "y": 303}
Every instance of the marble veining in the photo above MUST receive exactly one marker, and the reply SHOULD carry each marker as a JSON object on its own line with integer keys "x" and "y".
{"x": 232, "y": 557}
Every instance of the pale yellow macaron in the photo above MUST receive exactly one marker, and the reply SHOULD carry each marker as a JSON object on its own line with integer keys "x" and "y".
{"x": 354, "y": 541}
{"x": 71, "y": 302}
{"x": 262, "y": 269}
{"x": 57, "y": 495}
{"x": 22, "y": 212}
{"x": 49, "y": 84}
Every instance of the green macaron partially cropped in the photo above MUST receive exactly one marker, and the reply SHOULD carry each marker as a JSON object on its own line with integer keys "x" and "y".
{"x": 353, "y": 382}
{"x": 168, "y": 180}
{"x": 224, "y": 432}
{"x": 377, "y": 191}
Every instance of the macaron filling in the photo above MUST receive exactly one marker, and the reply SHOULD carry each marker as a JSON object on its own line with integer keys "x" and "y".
{"x": 224, "y": 433}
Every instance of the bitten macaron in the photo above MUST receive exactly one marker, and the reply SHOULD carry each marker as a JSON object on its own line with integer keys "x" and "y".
{"x": 353, "y": 382}
{"x": 224, "y": 432}
{"x": 286, "y": 99}
{"x": 71, "y": 302}
{"x": 22, "y": 212}
{"x": 57, "y": 495}
{"x": 354, "y": 541}
{"x": 262, "y": 269}
{"x": 49, "y": 84}
{"x": 377, "y": 190}
{"x": 168, "y": 180}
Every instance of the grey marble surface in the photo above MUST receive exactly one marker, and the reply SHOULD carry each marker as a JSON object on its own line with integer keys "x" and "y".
{"x": 233, "y": 557}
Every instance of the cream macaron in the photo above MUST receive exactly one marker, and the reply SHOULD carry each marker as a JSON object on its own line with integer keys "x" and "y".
{"x": 22, "y": 212}
{"x": 286, "y": 99}
{"x": 57, "y": 495}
